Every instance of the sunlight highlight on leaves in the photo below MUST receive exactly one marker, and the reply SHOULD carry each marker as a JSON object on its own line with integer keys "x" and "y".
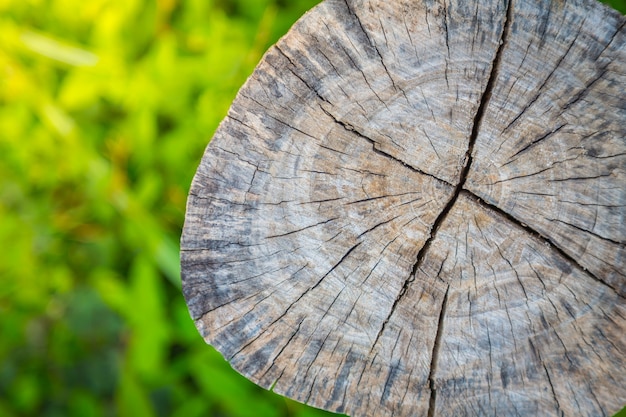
{"x": 59, "y": 51}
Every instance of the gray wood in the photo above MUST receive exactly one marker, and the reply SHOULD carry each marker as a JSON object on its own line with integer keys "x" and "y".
{"x": 417, "y": 208}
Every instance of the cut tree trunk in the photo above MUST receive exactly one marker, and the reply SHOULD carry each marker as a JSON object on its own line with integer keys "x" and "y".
{"x": 417, "y": 208}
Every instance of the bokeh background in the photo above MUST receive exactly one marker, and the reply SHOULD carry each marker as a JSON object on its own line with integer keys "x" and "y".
{"x": 106, "y": 107}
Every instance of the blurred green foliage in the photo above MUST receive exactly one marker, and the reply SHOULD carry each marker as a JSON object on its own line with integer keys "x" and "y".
{"x": 619, "y": 5}
{"x": 105, "y": 109}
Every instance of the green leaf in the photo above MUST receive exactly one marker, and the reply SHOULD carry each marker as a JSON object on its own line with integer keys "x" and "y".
{"x": 149, "y": 326}
{"x": 131, "y": 397}
{"x": 58, "y": 50}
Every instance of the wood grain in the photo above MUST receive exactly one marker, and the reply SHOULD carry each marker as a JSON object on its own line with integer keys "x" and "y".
{"x": 417, "y": 208}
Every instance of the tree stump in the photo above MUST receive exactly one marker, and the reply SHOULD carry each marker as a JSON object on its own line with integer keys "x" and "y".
{"x": 417, "y": 208}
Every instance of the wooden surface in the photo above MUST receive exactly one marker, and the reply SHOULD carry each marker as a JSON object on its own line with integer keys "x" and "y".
{"x": 416, "y": 208}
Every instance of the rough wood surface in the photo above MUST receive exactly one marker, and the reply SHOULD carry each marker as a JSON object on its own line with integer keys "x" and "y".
{"x": 416, "y": 207}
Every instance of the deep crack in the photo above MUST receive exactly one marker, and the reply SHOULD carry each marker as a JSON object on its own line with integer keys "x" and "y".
{"x": 446, "y": 210}
{"x": 548, "y": 241}
{"x": 352, "y": 129}
{"x": 464, "y": 172}
{"x": 435, "y": 355}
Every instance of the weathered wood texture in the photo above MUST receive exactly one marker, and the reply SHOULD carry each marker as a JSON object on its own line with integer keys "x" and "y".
{"x": 416, "y": 207}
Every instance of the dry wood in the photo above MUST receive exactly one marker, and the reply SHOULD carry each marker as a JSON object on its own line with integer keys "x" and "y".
{"x": 417, "y": 208}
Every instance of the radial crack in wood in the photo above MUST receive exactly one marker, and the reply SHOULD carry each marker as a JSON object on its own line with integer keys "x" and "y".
{"x": 552, "y": 149}
{"x": 417, "y": 208}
